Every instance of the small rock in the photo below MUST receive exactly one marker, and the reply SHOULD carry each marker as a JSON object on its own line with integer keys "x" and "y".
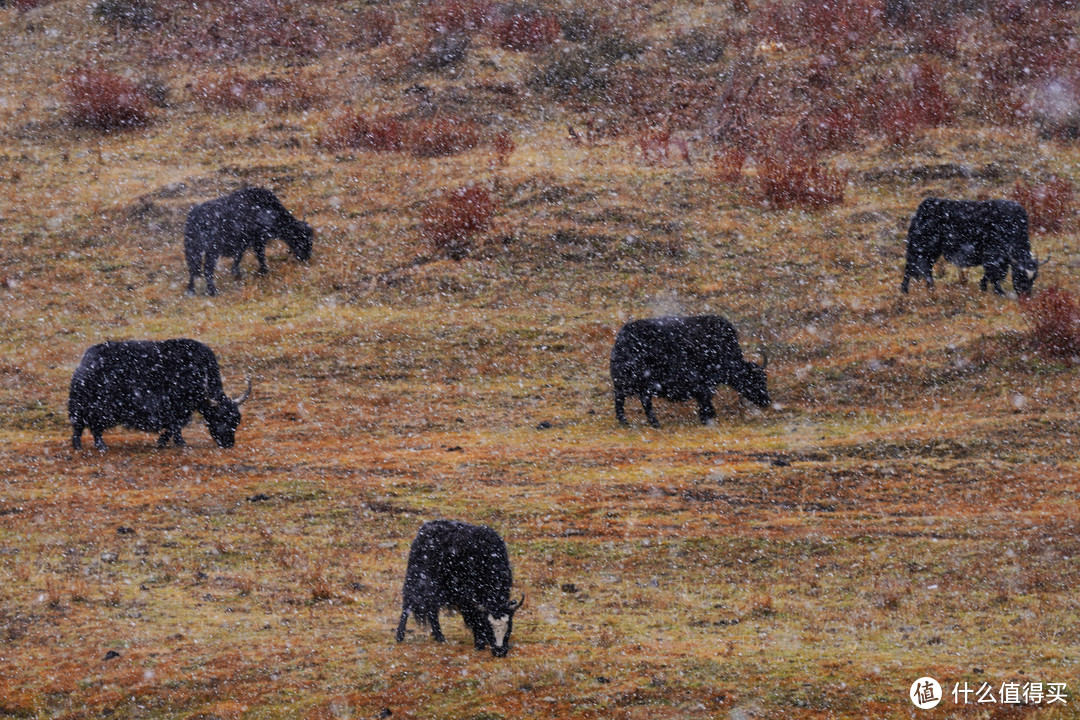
{"x": 111, "y": 655}
{"x": 125, "y": 530}
{"x": 456, "y": 448}
{"x": 545, "y": 425}
{"x": 385, "y": 713}
{"x": 603, "y": 680}
{"x": 569, "y": 588}
{"x": 258, "y": 497}
{"x": 109, "y": 557}
{"x": 781, "y": 462}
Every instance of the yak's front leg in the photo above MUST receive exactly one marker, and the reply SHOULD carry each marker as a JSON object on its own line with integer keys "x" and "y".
{"x": 236, "y": 265}
{"x": 260, "y": 255}
{"x": 706, "y": 411}
{"x": 646, "y": 405}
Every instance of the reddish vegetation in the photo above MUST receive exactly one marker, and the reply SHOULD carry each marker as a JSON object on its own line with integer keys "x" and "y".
{"x": 527, "y": 31}
{"x": 654, "y": 145}
{"x": 795, "y": 182}
{"x": 1048, "y": 205}
{"x": 1055, "y": 322}
{"x": 442, "y": 135}
{"x": 833, "y": 25}
{"x": 729, "y": 162}
{"x": 504, "y": 147}
{"x": 453, "y": 17}
{"x": 230, "y": 90}
{"x": 899, "y": 115}
{"x": 374, "y": 27}
{"x": 102, "y": 100}
{"x": 451, "y": 222}
{"x": 353, "y": 130}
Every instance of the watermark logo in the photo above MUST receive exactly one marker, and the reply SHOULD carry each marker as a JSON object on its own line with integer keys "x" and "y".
{"x": 925, "y": 693}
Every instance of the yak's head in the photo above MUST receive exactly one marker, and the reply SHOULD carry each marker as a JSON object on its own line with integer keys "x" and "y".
{"x": 223, "y": 417}
{"x": 299, "y": 236}
{"x": 500, "y": 622}
{"x": 1024, "y": 273}
{"x": 751, "y": 381}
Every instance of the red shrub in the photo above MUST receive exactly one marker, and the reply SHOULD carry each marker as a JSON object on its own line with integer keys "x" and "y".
{"x": 229, "y": 90}
{"x": 102, "y": 100}
{"x": 1054, "y": 317}
{"x": 249, "y": 26}
{"x": 795, "y": 182}
{"x": 526, "y": 31}
{"x": 1048, "y": 205}
{"x": 835, "y": 25}
{"x": 453, "y": 17}
{"x": 374, "y": 26}
{"x": 841, "y": 25}
{"x": 442, "y": 135}
{"x": 728, "y": 163}
{"x": 451, "y": 222}
{"x": 832, "y": 129}
{"x": 504, "y": 147}
{"x": 933, "y": 104}
{"x": 352, "y": 130}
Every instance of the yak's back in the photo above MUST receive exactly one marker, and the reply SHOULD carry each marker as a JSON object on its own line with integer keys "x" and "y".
{"x": 460, "y": 559}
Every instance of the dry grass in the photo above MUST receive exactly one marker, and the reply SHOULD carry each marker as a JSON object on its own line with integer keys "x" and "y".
{"x": 906, "y": 508}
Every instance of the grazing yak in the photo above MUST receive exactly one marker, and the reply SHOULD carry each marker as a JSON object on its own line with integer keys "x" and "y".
{"x": 465, "y": 568}
{"x": 153, "y": 386}
{"x": 678, "y": 358}
{"x": 229, "y": 225}
{"x": 991, "y": 233}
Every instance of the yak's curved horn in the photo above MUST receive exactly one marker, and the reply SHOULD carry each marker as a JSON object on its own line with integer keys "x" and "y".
{"x": 764, "y": 358}
{"x": 1042, "y": 262}
{"x": 247, "y": 393}
{"x": 514, "y": 606}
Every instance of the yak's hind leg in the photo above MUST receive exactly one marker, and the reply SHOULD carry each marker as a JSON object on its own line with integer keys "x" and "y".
{"x": 98, "y": 442}
{"x": 194, "y": 265}
{"x": 620, "y": 409}
{"x": 209, "y": 264}
{"x": 76, "y": 435}
{"x": 401, "y": 624}
{"x": 436, "y": 630}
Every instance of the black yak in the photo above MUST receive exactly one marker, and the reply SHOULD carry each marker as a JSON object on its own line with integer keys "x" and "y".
{"x": 154, "y": 386}
{"x": 229, "y": 225}
{"x": 991, "y": 233}
{"x": 465, "y": 568}
{"x": 678, "y": 358}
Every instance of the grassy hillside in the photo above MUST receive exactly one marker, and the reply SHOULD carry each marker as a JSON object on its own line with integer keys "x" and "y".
{"x": 907, "y": 507}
